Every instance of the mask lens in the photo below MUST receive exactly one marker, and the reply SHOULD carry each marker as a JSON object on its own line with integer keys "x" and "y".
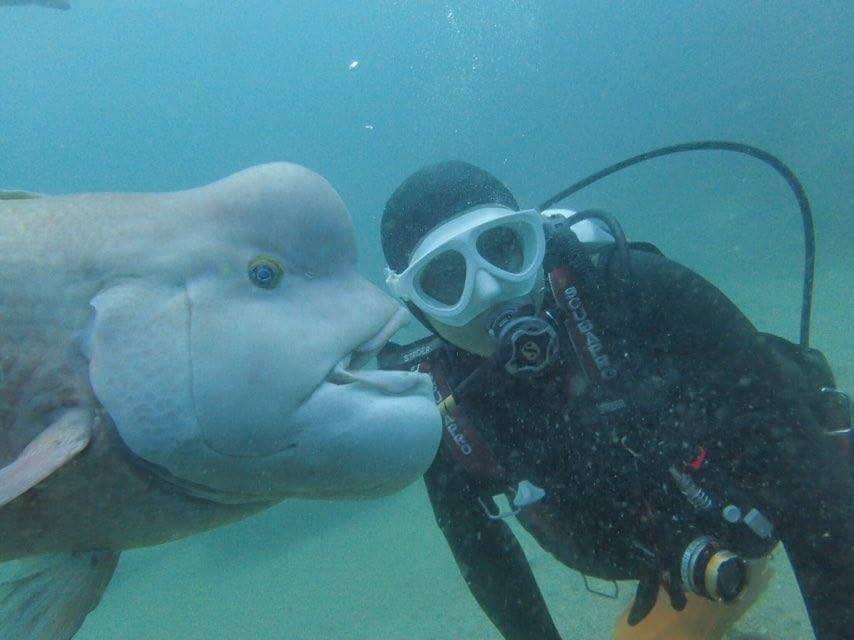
{"x": 502, "y": 247}
{"x": 444, "y": 277}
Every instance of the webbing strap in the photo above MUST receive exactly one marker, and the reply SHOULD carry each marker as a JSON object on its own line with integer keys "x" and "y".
{"x": 466, "y": 445}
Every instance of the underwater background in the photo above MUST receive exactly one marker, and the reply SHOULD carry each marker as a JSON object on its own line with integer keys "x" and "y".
{"x": 161, "y": 95}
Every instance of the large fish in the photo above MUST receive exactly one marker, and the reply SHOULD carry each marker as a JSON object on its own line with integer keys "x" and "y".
{"x": 50, "y": 4}
{"x": 172, "y": 362}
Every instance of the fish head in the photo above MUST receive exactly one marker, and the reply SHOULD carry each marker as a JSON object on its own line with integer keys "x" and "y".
{"x": 230, "y": 356}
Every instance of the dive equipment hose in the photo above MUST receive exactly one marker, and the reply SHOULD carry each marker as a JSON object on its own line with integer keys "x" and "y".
{"x": 723, "y": 145}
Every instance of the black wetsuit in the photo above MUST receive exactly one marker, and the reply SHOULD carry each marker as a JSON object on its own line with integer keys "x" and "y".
{"x": 700, "y": 380}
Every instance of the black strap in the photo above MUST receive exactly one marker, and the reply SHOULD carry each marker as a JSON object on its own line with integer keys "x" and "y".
{"x": 397, "y": 357}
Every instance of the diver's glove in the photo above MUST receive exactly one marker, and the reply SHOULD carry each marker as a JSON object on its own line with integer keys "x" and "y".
{"x": 645, "y": 598}
{"x": 647, "y": 595}
{"x": 674, "y": 589}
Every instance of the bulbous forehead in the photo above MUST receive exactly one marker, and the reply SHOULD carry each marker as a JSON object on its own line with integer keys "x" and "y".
{"x": 288, "y": 210}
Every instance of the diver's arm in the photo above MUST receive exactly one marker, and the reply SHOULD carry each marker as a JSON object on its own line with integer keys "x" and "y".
{"x": 489, "y": 557}
{"x": 817, "y": 533}
{"x": 815, "y": 505}
{"x": 767, "y": 436}
{"x": 805, "y": 484}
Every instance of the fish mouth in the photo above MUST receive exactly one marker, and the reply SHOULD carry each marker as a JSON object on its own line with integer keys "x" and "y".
{"x": 363, "y": 354}
{"x": 348, "y": 370}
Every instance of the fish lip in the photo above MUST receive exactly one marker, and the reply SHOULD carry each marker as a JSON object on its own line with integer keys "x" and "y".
{"x": 339, "y": 374}
{"x": 363, "y": 354}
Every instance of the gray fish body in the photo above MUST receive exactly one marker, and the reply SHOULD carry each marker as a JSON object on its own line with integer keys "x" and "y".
{"x": 106, "y": 499}
{"x": 49, "y": 4}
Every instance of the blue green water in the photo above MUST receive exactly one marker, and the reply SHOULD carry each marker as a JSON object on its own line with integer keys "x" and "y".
{"x": 161, "y": 95}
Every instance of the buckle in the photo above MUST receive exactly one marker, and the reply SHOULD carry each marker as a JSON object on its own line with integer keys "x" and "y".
{"x": 523, "y": 495}
{"x": 836, "y": 407}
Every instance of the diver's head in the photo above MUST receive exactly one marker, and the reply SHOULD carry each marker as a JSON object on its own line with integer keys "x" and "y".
{"x": 458, "y": 249}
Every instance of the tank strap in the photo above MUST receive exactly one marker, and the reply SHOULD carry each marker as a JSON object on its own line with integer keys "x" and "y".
{"x": 585, "y": 335}
{"x": 464, "y": 442}
{"x": 473, "y": 453}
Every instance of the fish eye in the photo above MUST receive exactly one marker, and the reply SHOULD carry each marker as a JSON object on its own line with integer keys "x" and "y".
{"x": 265, "y": 272}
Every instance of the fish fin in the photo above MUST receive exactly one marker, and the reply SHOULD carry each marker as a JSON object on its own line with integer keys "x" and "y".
{"x": 48, "y": 597}
{"x": 19, "y": 195}
{"x": 49, "y": 451}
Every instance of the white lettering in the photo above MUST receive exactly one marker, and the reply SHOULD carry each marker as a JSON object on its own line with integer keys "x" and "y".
{"x": 416, "y": 353}
{"x": 585, "y": 327}
{"x": 458, "y": 438}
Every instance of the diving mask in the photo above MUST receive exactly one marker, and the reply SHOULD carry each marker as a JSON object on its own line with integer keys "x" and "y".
{"x": 468, "y": 264}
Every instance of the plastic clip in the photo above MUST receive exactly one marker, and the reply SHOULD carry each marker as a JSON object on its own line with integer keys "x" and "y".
{"x": 526, "y": 493}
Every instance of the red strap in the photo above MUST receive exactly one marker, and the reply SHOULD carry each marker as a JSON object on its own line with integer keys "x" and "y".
{"x": 582, "y": 331}
{"x": 461, "y": 438}
{"x": 697, "y": 462}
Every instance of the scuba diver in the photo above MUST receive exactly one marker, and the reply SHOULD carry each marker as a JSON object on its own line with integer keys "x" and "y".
{"x": 639, "y": 426}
